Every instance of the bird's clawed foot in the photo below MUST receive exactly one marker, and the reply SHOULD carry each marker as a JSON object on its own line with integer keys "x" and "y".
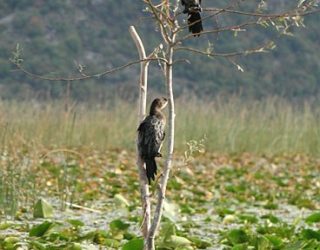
{"x": 159, "y": 154}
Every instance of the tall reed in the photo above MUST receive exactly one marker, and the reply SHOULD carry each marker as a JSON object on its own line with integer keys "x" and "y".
{"x": 230, "y": 125}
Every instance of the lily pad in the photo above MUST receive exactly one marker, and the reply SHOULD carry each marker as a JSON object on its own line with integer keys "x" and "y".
{"x": 200, "y": 243}
{"x": 313, "y": 218}
{"x": 10, "y": 242}
{"x": 121, "y": 201}
{"x": 76, "y": 223}
{"x": 170, "y": 211}
{"x": 134, "y": 244}
{"x": 118, "y": 225}
{"x": 175, "y": 241}
{"x": 42, "y": 209}
{"x": 40, "y": 230}
{"x": 309, "y": 234}
{"x": 237, "y": 236}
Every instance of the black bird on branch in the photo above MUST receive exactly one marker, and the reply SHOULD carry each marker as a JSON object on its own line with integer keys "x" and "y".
{"x": 193, "y": 9}
{"x": 151, "y": 135}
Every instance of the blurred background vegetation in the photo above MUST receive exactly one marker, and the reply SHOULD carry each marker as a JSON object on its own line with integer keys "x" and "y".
{"x": 227, "y": 126}
{"x": 58, "y": 35}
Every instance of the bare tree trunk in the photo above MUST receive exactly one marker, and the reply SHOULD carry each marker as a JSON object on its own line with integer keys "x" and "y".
{"x": 165, "y": 176}
{"x": 144, "y": 188}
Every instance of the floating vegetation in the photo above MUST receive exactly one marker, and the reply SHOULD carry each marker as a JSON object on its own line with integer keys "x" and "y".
{"x": 213, "y": 202}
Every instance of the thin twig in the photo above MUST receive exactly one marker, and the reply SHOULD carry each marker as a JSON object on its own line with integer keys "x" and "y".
{"x": 64, "y": 150}
{"x": 259, "y": 49}
{"x": 159, "y": 21}
{"x": 71, "y": 205}
{"x": 290, "y": 13}
{"x": 223, "y": 29}
{"x": 75, "y": 78}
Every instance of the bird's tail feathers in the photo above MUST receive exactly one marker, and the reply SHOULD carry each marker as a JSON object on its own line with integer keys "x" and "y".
{"x": 195, "y": 23}
{"x": 151, "y": 169}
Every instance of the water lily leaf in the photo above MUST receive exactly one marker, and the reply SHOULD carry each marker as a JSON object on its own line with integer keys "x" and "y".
{"x": 223, "y": 211}
{"x": 10, "y": 242}
{"x": 310, "y": 234}
{"x": 184, "y": 248}
{"x": 112, "y": 243}
{"x": 248, "y": 218}
{"x": 313, "y": 218}
{"x": 100, "y": 236}
{"x": 118, "y": 225}
{"x": 37, "y": 245}
{"x": 134, "y": 244}
{"x": 271, "y": 218}
{"x": 56, "y": 235}
{"x": 228, "y": 219}
{"x": 263, "y": 243}
{"x": 76, "y": 223}
{"x": 270, "y": 206}
{"x": 42, "y": 209}
{"x": 5, "y": 225}
{"x": 121, "y": 201}
{"x": 75, "y": 246}
{"x": 200, "y": 243}
{"x": 129, "y": 235}
{"x": 88, "y": 236}
{"x": 294, "y": 246}
{"x": 170, "y": 211}
{"x": 185, "y": 208}
{"x": 168, "y": 229}
{"x": 177, "y": 241}
{"x": 41, "y": 229}
{"x": 237, "y": 236}
{"x": 240, "y": 247}
{"x": 275, "y": 241}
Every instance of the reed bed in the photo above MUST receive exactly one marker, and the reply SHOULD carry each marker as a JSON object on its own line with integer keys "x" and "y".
{"x": 229, "y": 125}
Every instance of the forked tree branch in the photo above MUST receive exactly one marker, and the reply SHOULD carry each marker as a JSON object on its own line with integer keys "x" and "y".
{"x": 159, "y": 15}
{"x": 143, "y": 86}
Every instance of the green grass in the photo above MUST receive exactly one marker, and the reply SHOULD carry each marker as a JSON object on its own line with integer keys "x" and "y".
{"x": 271, "y": 126}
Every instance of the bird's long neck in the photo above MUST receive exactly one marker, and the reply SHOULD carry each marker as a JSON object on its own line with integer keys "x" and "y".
{"x": 154, "y": 111}
{"x": 157, "y": 112}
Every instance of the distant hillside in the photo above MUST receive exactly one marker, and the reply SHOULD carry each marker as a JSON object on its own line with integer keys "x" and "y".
{"x": 57, "y": 35}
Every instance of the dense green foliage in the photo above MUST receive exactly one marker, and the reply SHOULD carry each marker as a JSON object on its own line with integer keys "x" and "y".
{"x": 58, "y": 35}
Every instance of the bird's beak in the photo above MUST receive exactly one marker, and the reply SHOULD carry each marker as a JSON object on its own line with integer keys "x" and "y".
{"x": 165, "y": 102}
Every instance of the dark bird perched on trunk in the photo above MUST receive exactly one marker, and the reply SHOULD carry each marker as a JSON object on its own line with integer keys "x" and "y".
{"x": 151, "y": 135}
{"x": 193, "y": 9}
